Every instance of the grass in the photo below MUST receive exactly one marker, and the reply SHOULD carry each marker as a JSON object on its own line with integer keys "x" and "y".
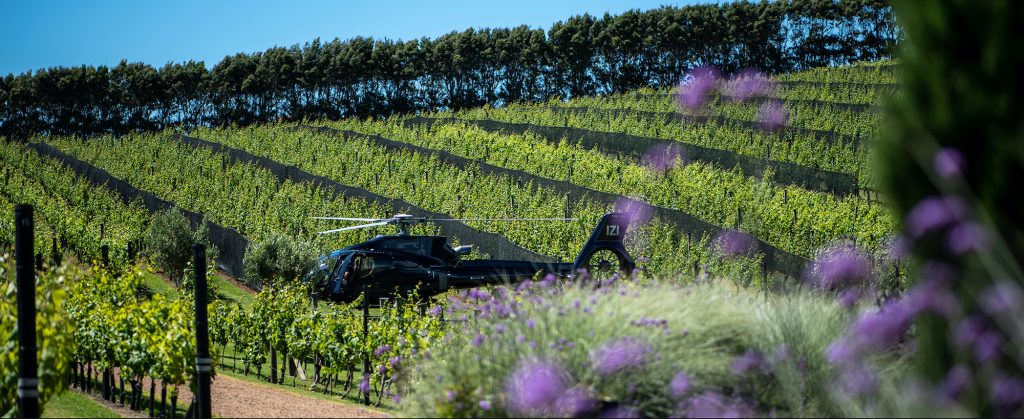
{"x": 230, "y": 291}
{"x": 72, "y": 404}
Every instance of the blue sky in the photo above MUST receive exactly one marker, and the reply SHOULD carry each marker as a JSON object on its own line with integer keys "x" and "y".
{"x": 38, "y": 34}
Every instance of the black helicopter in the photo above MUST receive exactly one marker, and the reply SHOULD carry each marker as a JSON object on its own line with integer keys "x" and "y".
{"x": 386, "y": 266}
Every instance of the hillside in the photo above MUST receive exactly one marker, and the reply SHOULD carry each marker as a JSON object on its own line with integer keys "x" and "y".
{"x": 796, "y": 188}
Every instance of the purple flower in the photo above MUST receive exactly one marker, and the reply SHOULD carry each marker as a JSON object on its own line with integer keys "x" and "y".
{"x": 620, "y": 354}
{"x": 968, "y": 330}
{"x": 435, "y": 311}
{"x": 382, "y": 349}
{"x": 987, "y": 346}
{"x": 743, "y": 363}
{"x": 934, "y": 213}
{"x": 394, "y": 361}
{"x": 638, "y": 212}
{"x": 933, "y": 296}
{"x": 535, "y": 387}
{"x": 364, "y": 386}
{"x": 849, "y": 297}
{"x": 857, "y": 380}
{"x": 451, "y": 396}
{"x": 841, "y": 267}
{"x": 500, "y": 328}
{"x": 680, "y": 383}
{"x": 898, "y": 249}
{"x": 840, "y": 352}
{"x": 485, "y": 405}
{"x": 530, "y": 323}
{"x": 967, "y": 236}
{"x": 1007, "y": 390}
{"x": 714, "y": 405}
{"x": 695, "y": 86}
{"x": 772, "y": 116}
{"x": 382, "y": 369}
{"x": 949, "y": 162}
{"x": 662, "y": 157}
{"x": 735, "y": 243}
{"x": 884, "y": 327}
{"x": 478, "y": 340}
{"x": 397, "y": 399}
{"x": 574, "y": 402}
{"x": 748, "y": 83}
{"x": 1001, "y": 298}
{"x": 955, "y": 381}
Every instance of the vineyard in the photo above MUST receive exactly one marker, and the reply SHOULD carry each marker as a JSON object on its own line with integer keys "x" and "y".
{"x": 688, "y": 178}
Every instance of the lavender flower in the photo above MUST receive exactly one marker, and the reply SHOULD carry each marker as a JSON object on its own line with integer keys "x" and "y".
{"x": 934, "y": 213}
{"x": 884, "y": 327}
{"x": 840, "y": 352}
{"x": 662, "y": 157}
{"x": 478, "y": 340}
{"x": 451, "y": 396}
{"x": 949, "y": 162}
{"x": 382, "y": 349}
{"x": 620, "y": 354}
{"x": 394, "y": 361}
{"x": 968, "y": 330}
{"x": 680, "y": 384}
{"x": 484, "y": 405}
{"x": 535, "y": 388}
{"x": 748, "y": 83}
{"x": 735, "y": 243}
{"x": 772, "y": 116}
{"x": 987, "y": 346}
{"x": 397, "y": 399}
{"x": 382, "y": 369}
{"x": 1001, "y": 298}
{"x": 364, "y": 386}
{"x": 743, "y": 363}
{"x": 714, "y": 405}
{"x": 840, "y": 268}
{"x": 954, "y": 383}
{"x": 858, "y": 380}
{"x": 695, "y": 86}
{"x": 637, "y": 211}
{"x": 435, "y": 311}
{"x": 965, "y": 237}
{"x": 932, "y": 295}
{"x": 1007, "y": 390}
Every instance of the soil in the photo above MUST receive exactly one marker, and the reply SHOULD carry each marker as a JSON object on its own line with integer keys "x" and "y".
{"x": 235, "y": 398}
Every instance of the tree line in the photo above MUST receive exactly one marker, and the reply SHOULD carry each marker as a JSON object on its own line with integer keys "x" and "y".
{"x": 365, "y": 77}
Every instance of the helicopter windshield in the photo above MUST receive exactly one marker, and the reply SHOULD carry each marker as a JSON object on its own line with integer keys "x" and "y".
{"x": 325, "y": 265}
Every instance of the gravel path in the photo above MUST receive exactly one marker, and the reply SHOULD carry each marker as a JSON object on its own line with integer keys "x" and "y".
{"x": 235, "y": 398}
{"x": 241, "y": 399}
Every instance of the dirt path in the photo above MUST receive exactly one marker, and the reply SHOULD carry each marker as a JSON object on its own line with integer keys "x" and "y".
{"x": 241, "y": 399}
{"x": 236, "y": 398}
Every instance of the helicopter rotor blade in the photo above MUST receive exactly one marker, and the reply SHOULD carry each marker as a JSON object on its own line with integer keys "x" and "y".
{"x": 502, "y": 219}
{"x": 354, "y": 227}
{"x": 349, "y": 219}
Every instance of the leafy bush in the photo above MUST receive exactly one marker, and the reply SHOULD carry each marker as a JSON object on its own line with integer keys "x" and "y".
{"x": 277, "y": 258}
{"x": 168, "y": 242}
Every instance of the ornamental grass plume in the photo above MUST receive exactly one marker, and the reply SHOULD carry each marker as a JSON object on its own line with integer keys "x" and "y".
{"x": 601, "y": 357}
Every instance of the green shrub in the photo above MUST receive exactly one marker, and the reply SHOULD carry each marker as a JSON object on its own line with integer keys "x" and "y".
{"x": 275, "y": 259}
{"x": 168, "y": 242}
